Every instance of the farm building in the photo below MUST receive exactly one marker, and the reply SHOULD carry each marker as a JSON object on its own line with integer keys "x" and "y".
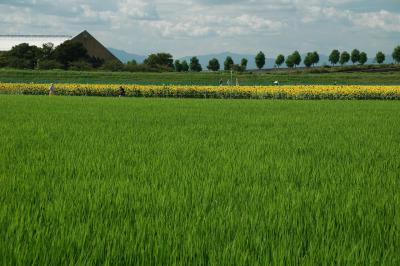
{"x": 93, "y": 46}
{"x": 9, "y": 41}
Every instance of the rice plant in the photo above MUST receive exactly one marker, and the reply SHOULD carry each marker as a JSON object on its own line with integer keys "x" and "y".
{"x": 183, "y": 181}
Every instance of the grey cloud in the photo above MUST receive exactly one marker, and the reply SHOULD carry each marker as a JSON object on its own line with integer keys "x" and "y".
{"x": 201, "y": 26}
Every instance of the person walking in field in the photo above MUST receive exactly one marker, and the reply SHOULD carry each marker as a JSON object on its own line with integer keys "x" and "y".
{"x": 52, "y": 89}
{"x": 121, "y": 91}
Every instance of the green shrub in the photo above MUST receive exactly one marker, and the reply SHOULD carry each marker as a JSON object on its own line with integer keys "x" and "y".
{"x": 80, "y": 66}
{"x": 113, "y": 66}
{"x": 49, "y": 64}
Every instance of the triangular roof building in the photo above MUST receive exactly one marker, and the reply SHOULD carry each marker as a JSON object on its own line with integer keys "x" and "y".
{"x": 94, "y": 47}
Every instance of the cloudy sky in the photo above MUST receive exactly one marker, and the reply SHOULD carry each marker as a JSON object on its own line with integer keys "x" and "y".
{"x": 195, "y": 27}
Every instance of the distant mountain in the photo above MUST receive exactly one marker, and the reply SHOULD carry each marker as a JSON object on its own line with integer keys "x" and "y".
{"x": 204, "y": 59}
{"x": 125, "y": 56}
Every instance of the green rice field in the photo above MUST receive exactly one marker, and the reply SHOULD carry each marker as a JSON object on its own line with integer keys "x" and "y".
{"x": 285, "y": 77}
{"x": 122, "y": 181}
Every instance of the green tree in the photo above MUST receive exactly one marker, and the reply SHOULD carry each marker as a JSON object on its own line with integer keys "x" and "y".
{"x": 112, "y": 65}
{"x": 309, "y": 59}
{"x": 95, "y": 62}
{"x": 363, "y": 58}
{"x": 260, "y": 60}
{"x": 132, "y": 66}
{"x": 296, "y": 58}
{"x": 83, "y": 65}
{"x": 228, "y": 63}
{"x": 185, "y": 66}
{"x": 45, "y": 64}
{"x": 344, "y": 58}
{"x": 396, "y": 54}
{"x": 334, "y": 57}
{"x": 23, "y": 56}
{"x": 280, "y": 59}
{"x": 213, "y": 65}
{"x": 70, "y": 51}
{"x": 355, "y": 56}
{"x": 243, "y": 63}
{"x": 238, "y": 68}
{"x": 290, "y": 61}
{"x": 380, "y": 57}
{"x": 133, "y": 62}
{"x": 160, "y": 60}
{"x": 3, "y": 59}
{"x": 47, "y": 51}
{"x": 178, "y": 66}
{"x": 195, "y": 64}
{"x": 315, "y": 58}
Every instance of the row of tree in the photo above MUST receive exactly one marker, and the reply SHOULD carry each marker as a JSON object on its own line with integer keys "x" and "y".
{"x": 73, "y": 55}
{"x": 310, "y": 59}
{"x": 165, "y": 61}
{"x": 68, "y": 55}
{"x": 356, "y": 57}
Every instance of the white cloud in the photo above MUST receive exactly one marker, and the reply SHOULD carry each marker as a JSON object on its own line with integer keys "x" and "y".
{"x": 258, "y": 23}
{"x": 382, "y": 20}
{"x": 203, "y": 26}
{"x": 138, "y": 9}
{"x": 213, "y": 25}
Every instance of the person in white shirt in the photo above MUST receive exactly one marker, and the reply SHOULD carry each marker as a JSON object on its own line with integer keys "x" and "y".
{"x": 52, "y": 89}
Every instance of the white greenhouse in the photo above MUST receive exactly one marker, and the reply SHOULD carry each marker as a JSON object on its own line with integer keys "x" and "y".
{"x": 9, "y": 41}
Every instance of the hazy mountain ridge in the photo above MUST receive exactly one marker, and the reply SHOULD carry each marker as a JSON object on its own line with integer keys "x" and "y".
{"x": 125, "y": 56}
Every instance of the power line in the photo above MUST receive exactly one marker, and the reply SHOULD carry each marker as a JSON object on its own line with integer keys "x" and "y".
{"x": 34, "y": 36}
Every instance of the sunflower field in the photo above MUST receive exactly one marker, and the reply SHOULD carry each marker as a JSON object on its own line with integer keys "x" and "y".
{"x": 220, "y": 92}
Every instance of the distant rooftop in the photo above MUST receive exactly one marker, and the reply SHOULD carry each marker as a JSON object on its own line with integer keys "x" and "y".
{"x": 34, "y": 36}
{"x": 7, "y": 41}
